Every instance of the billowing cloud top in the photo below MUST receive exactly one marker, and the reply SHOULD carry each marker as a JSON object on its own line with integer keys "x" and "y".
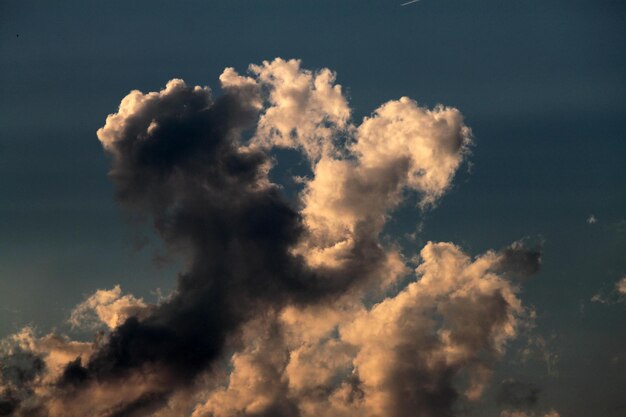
{"x": 269, "y": 317}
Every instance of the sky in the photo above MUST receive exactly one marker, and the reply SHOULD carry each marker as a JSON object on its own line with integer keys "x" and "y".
{"x": 442, "y": 235}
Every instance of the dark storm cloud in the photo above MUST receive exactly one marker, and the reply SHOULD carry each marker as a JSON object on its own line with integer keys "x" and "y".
{"x": 18, "y": 370}
{"x": 142, "y": 406}
{"x": 189, "y": 177}
{"x": 518, "y": 394}
{"x": 417, "y": 388}
{"x": 8, "y": 403}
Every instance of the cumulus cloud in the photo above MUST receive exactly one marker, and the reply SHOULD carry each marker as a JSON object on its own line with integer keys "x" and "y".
{"x": 305, "y": 109}
{"x": 430, "y": 144}
{"x": 108, "y": 307}
{"x": 282, "y": 309}
{"x": 457, "y": 317}
{"x": 30, "y": 365}
{"x": 408, "y": 353}
{"x": 400, "y": 147}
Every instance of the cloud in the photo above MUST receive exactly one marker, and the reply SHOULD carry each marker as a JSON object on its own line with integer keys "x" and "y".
{"x": 408, "y": 361}
{"x": 519, "y": 260}
{"x": 620, "y": 286}
{"x": 306, "y": 109}
{"x": 401, "y": 147}
{"x": 429, "y": 144}
{"x": 599, "y": 298}
{"x": 282, "y": 309}
{"x": 518, "y": 394}
{"x": 541, "y": 348}
{"x": 108, "y": 307}
{"x": 407, "y": 354}
{"x": 29, "y": 368}
{"x": 255, "y": 386}
{"x": 615, "y": 295}
{"x": 515, "y": 413}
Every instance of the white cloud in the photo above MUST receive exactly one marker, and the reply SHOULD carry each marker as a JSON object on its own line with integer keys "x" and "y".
{"x": 108, "y": 307}
{"x": 403, "y": 355}
{"x": 306, "y": 109}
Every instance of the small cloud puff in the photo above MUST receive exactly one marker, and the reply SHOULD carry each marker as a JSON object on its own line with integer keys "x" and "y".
{"x": 108, "y": 307}
{"x": 620, "y": 286}
{"x": 615, "y": 295}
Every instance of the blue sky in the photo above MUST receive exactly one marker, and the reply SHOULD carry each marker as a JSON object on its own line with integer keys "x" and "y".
{"x": 541, "y": 84}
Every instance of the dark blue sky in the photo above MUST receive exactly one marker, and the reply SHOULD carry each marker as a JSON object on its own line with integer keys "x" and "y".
{"x": 541, "y": 83}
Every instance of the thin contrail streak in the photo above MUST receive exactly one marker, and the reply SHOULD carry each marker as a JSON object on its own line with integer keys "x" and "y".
{"x": 409, "y": 2}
